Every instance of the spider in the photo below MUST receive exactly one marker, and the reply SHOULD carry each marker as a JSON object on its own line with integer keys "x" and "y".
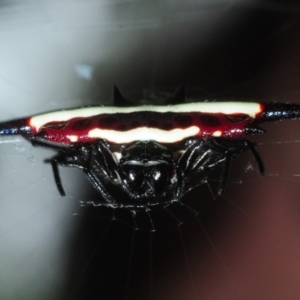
{"x": 144, "y": 156}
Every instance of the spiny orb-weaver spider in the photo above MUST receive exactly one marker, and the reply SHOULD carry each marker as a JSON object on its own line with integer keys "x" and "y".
{"x": 144, "y": 156}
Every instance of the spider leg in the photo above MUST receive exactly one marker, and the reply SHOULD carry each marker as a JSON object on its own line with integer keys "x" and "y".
{"x": 57, "y": 178}
{"x": 101, "y": 168}
{"x": 236, "y": 147}
{"x": 59, "y": 159}
{"x": 66, "y": 157}
{"x": 203, "y": 155}
{"x": 225, "y": 173}
{"x": 36, "y": 142}
{"x": 189, "y": 160}
{"x": 96, "y": 160}
{"x": 105, "y": 158}
{"x": 183, "y": 161}
{"x": 100, "y": 187}
{"x": 200, "y": 155}
{"x": 256, "y": 156}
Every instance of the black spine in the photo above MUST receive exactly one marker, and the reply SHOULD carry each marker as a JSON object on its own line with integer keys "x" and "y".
{"x": 15, "y": 127}
{"x": 278, "y": 111}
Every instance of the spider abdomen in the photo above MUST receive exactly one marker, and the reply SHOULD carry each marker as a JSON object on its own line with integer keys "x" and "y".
{"x": 163, "y": 127}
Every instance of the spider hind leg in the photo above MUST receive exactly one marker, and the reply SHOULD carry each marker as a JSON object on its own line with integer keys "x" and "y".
{"x": 260, "y": 164}
{"x": 206, "y": 154}
{"x": 236, "y": 147}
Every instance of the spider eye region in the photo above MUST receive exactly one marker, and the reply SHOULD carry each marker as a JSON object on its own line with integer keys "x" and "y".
{"x": 147, "y": 179}
{"x": 146, "y": 169}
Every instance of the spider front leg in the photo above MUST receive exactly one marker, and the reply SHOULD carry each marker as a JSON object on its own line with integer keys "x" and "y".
{"x": 57, "y": 179}
{"x": 95, "y": 159}
{"x": 67, "y": 156}
{"x": 74, "y": 156}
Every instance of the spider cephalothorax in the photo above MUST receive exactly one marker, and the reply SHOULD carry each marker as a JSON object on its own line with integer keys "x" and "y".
{"x": 145, "y": 156}
{"x": 148, "y": 171}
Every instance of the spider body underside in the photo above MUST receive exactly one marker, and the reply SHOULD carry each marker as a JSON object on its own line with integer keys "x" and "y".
{"x": 149, "y": 154}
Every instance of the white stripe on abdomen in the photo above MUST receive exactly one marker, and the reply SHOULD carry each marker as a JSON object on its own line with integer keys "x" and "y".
{"x": 144, "y": 134}
{"x": 227, "y": 108}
